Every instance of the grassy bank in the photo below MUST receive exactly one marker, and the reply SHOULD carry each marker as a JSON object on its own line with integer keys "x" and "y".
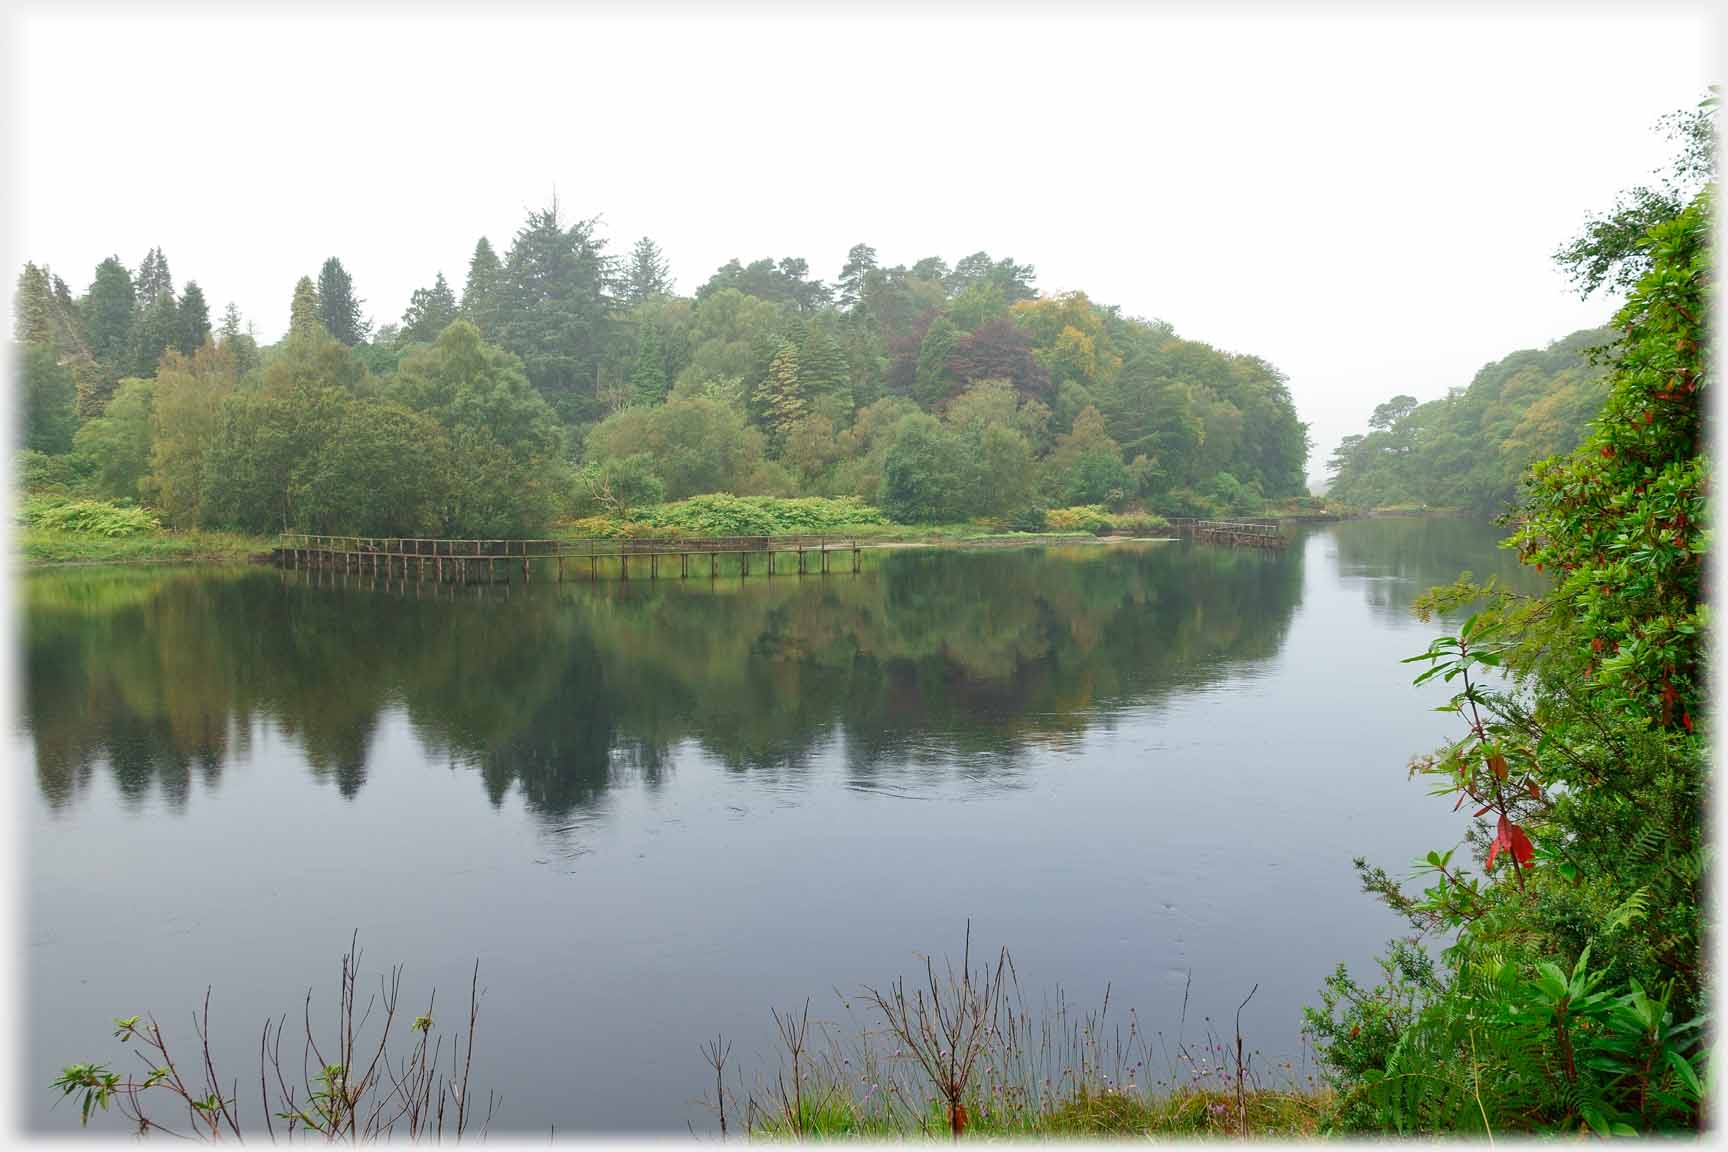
{"x": 56, "y": 529}
{"x": 956, "y": 1053}
{"x": 43, "y": 547}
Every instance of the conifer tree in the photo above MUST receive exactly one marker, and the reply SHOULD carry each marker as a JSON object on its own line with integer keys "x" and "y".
{"x": 33, "y": 307}
{"x": 153, "y": 281}
{"x": 430, "y": 311}
{"x": 303, "y": 314}
{"x": 783, "y": 397}
{"x": 338, "y": 307}
{"x": 157, "y": 327}
{"x": 647, "y": 275}
{"x": 821, "y": 366}
{"x": 648, "y": 381}
{"x": 480, "y": 293}
{"x": 194, "y": 319}
{"x": 860, "y": 262}
{"x": 108, "y": 312}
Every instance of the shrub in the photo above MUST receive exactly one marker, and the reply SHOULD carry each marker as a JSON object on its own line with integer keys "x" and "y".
{"x": 89, "y": 517}
{"x": 1080, "y": 518}
{"x": 1138, "y": 523}
{"x": 66, "y": 474}
{"x": 719, "y": 514}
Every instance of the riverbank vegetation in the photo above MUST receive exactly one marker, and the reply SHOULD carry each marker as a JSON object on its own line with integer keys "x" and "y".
{"x": 567, "y": 383}
{"x": 1571, "y": 993}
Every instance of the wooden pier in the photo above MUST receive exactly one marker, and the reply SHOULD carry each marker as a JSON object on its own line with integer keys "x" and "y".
{"x": 498, "y": 561}
{"x": 1236, "y": 533}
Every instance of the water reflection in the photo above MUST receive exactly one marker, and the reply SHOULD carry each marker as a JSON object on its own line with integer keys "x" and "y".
{"x": 933, "y": 662}
{"x": 1395, "y": 559}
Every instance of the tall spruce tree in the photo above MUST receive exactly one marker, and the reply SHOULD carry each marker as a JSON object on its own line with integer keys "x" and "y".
{"x": 108, "y": 316}
{"x": 303, "y": 313}
{"x": 647, "y": 274}
{"x": 553, "y": 309}
{"x": 648, "y": 380}
{"x": 153, "y": 281}
{"x": 480, "y": 292}
{"x": 338, "y": 307}
{"x": 194, "y": 319}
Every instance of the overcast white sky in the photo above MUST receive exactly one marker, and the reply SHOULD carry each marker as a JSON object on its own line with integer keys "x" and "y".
{"x": 1370, "y": 203}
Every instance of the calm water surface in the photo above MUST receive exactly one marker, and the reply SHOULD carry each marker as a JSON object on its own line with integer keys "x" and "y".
{"x": 651, "y": 812}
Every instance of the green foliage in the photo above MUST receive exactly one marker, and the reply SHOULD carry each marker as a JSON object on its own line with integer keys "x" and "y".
{"x": 338, "y": 307}
{"x": 57, "y": 475}
{"x": 304, "y": 313}
{"x": 90, "y": 517}
{"x": 924, "y": 474}
{"x": 1091, "y": 518}
{"x": 722, "y": 515}
{"x": 429, "y": 312}
{"x": 116, "y": 445}
{"x": 108, "y": 312}
{"x": 1572, "y": 996}
{"x": 1470, "y": 448}
{"x": 49, "y": 401}
{"x": 618, "y": 485}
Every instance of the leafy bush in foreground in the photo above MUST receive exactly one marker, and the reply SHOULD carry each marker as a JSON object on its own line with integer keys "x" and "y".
{"x": 1573, "y": 994}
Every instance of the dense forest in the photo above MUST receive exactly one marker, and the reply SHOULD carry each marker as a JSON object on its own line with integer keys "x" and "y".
{"x": 565, "y": 381}
{"x": 1469, "y": 448}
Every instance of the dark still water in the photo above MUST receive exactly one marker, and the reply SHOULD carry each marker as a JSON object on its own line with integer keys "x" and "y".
{"x": 652, "y": 812}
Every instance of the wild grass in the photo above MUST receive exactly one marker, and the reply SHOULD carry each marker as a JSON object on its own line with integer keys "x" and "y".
{"x": 959, "y": 1053}
{"x": 345, "y": 1084}
{"x": 42, "y": 546}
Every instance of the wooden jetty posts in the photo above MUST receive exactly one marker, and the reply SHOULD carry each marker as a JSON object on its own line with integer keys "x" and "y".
{"x": 496, "y": 561}
{"x": 1236, "y": 533}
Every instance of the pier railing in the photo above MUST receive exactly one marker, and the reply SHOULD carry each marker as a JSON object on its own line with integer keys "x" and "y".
{"x": 485, "y": 561}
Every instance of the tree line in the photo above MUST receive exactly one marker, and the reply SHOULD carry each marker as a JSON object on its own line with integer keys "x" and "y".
{"x": 1469, "y": 448}
{"x": 564, "y": 381}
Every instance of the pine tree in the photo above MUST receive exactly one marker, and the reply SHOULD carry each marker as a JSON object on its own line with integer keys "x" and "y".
{"x": 860, "y": 262}
{"x": 648, "y": 381}
{"x": 303, "y": 314}
{"x": 108, "y": 315}
{"x": 647, "y": 275}
{"x": 430, "y": 311}
{"x": 480, "y": 293}
{"x": 783, "y": 396}
{"x": 241, "y": 345}
{"x": 194, "y": 319}
{"x": 338, "y": 307}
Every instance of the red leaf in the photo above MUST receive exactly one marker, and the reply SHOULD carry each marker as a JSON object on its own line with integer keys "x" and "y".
{"x": 1535, "y": 792}
{"x": 1461, "y": 798}
{"x": 1493, "y": 851}
{"x": 1686, "y": 719}
{"x": 1497, "y": 765}
{"x": 1483, "y": 811}
{"x": 1522, "y": 851}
